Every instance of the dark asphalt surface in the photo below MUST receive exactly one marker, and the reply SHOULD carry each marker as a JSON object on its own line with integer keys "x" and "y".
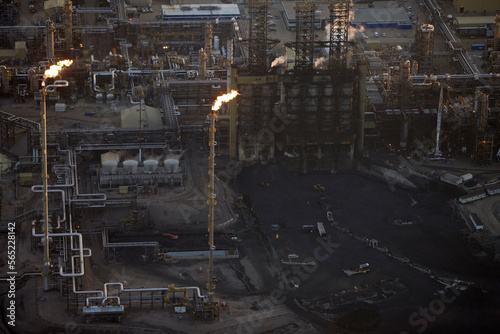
{"x": 368, "y": 207}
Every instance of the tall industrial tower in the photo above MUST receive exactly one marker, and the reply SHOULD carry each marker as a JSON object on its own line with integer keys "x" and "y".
{"x": 339, "y": 33}
{"x": 304, "y": 37}
{"x": 484, "y": 143}
{"x": 258, "y": 91}
{"x": 424, "y": 47}
{"x": 68, "y": 24}
{"x": 323, "y": 106}
{"x": 258, "y": 42}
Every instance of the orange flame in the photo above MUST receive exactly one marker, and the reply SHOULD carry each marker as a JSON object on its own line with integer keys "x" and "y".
{"x": 54, "y": 70}
{"x": 224, "y": 98}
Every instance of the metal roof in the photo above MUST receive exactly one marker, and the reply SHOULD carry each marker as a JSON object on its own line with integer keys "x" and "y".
{"x": 463, "y": 21}
{"x": 200, "y": 12}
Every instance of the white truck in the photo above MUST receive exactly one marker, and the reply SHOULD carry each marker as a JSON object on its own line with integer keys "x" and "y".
{"x": 321, "y": 230}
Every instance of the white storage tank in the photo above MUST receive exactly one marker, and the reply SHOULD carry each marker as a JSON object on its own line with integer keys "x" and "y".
{"x": 150, "y": 166}
{"x": 171, "y": 165}
{"x": 109, "y": 167}
{"x": 130, "y": 166}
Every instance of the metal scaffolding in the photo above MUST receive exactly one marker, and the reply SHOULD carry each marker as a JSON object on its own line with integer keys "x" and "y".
{"x": 424, "y": 47}
{"x": 258, "y": 43}
{"x": 304, "y": 37}
{"x": 339, "y": 33}
{"x": 484, "y": 143}
{"x": 9, "y": 122}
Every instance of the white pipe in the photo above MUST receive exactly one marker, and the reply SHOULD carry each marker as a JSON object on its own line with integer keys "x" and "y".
{"x": 39, "y": 189}
{"x": 105, "y": 297}
{"x": 85, "y": 292}
{"x": 102, "y": 196}
{"x": 81, "y": 254}
{"x": 81, "y": 251}
{"x": 131, "y": 101}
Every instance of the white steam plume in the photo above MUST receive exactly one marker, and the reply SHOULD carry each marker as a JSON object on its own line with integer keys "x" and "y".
{"x": 279, "y": 61}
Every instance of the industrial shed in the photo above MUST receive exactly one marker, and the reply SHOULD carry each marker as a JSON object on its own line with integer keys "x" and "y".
{"x": 476, "y": 6}
{"x": 474, "y": 25}
{"x": 199, "y": 12}
{"x": 383, "y": 17}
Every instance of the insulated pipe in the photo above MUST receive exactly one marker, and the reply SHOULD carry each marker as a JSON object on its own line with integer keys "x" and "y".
{"x": 85, "y": 292}
{"x": 104, "y": 295}
{"x": 131, "y": 101}
{"x": 39, "y": 189}
{"x": 80, "y": 249}
{"x": 103, "y": 196}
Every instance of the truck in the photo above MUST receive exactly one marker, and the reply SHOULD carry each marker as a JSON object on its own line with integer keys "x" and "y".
{"x": 363, "y": 269}
{"x": 321, "y": 230}
{"x": 467, "y": 177}
{"x": 307, "y": 228}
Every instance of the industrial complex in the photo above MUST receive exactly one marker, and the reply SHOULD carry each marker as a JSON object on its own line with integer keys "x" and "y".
{"x": 249, "y": 166}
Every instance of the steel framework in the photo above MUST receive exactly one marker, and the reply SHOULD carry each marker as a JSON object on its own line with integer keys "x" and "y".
{"x": 424, "y": 47}
{"x": 258, "y": 43}
{"x": 339, "y": 33}
{"x": 304, "y": 38}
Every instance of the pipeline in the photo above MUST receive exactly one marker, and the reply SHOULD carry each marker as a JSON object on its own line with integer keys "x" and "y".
{"x": 80, "y": 249}
{"x": 104, "y": 297}
{"x": 36, "y": 189}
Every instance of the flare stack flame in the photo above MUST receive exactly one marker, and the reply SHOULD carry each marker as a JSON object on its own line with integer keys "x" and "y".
{"x": 54, "y": 70}
{"x": 224, "y": 98}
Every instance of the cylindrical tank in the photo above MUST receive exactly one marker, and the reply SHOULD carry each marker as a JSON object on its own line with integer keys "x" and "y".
{"x": 109, "y": 167}
{"x": 130, "y": 166}
{"x": 294, "y": 107}
{"x": 313, "y": 90}
{"x": 328, "y": 90}
{"x": 216, "y": 42}
{"x": 311, "y": 105}
{"x": 171, "y": 165}
{"x": 150, "y": 165}
{"x": 295, "y": 91}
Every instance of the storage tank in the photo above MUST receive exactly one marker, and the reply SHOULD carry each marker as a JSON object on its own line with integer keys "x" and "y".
{"x": 313, "y": 90}
{"x": 171, "y": 165}
{"x": 130, "y": 166}
{"x": 216, "y": 42}
{"x": 295, "y": 91}
{"x": 150, "y": 166}
{"x": 109, "y": 167}
{"x": 328, "y": 90}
